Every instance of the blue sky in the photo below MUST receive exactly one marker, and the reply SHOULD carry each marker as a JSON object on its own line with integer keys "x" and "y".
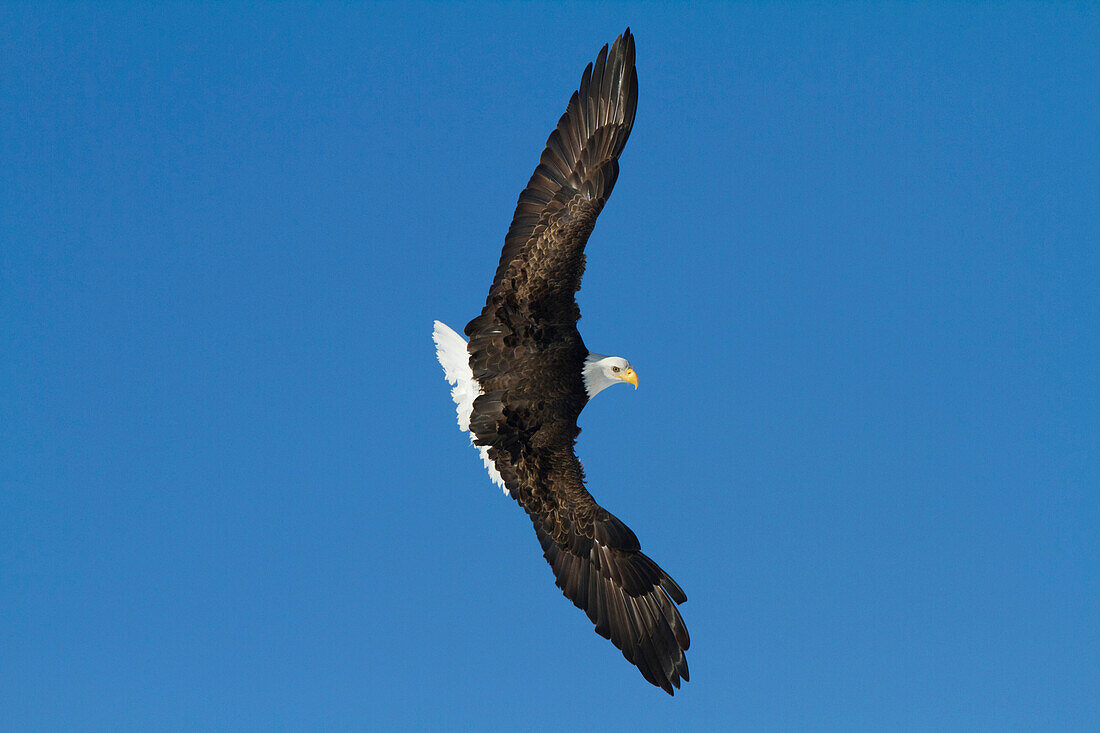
{"x": 852, "y": 252}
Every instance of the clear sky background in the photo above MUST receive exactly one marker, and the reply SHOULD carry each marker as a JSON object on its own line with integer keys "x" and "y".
{"x": 853, "y": 253}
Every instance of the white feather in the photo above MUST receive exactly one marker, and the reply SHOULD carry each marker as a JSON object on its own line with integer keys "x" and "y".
{"x": 450, "y": 349}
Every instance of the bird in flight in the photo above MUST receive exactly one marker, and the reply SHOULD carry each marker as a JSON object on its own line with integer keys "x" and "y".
{"x": 525, "y": 375}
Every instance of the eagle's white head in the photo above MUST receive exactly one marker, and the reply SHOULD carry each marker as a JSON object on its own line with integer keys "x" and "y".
{"x": 600, "y": 372}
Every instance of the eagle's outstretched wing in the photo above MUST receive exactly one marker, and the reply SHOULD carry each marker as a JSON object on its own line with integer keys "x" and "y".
{"x": 542, "y": 261}
{"x": 598, "y": 565}
{"x": 596, "y": 559}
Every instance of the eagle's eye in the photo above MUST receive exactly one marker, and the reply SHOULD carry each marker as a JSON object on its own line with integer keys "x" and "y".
{"x": 615, "y": 369}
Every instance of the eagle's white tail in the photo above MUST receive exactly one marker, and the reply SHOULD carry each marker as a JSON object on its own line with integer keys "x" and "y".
{"x": 450, "y": 349}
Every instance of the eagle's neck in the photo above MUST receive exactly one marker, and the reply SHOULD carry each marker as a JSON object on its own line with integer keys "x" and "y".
{"x": 595, "y": 379}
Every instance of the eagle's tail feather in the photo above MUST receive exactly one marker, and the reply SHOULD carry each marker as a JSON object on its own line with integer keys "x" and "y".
{"x": 450, "y": 349}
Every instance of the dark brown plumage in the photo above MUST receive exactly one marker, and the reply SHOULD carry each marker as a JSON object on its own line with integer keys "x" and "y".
{"x": 527, "y": 357}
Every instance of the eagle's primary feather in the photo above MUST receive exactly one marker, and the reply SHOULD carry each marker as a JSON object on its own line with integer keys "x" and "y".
{"x": 525, "y": 375}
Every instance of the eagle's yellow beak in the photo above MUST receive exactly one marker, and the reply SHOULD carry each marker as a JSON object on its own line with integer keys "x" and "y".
{"x": 630, "y": 376}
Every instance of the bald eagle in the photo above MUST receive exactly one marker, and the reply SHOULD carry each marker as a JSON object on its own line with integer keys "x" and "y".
{"x": 525, "y": 375}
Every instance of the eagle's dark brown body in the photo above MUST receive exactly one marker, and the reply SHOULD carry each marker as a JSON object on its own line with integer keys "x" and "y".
{"x": 527, "y": 356}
